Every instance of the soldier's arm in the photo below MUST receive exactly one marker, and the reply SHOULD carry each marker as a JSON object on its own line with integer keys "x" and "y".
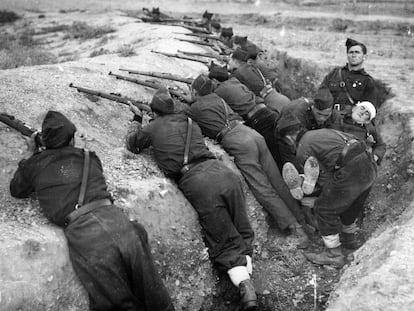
{"x": 138, "y": 137}
{"x": 21, "y": 185}
{"x": 379, "y": 147}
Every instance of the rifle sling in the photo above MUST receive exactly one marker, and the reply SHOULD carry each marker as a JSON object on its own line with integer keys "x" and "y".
{"x": 85, "y": 174}
{"x": 188, "y": 140}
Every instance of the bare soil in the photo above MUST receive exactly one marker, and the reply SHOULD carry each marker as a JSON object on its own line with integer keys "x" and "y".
{"x": 303, "y": 42}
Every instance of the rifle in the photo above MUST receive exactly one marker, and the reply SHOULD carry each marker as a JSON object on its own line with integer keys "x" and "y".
{"x": 160, "y": 75}
{"x": 196, "y": 42}
{"x": 21, "y": 127}
{"x": 194, "y": 29}
{"x": 154, "y": 85}
{"x": 198, "y": 35}
{"x": 218, "y": 57}
{"x": 194, "y": 59}
{"x": 115, "y": 97}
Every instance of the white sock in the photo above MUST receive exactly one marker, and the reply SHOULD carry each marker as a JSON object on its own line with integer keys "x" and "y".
{"x": 238, "y": 274}
{"x": 331, "y": 241}
{"x": 249, "y": 265}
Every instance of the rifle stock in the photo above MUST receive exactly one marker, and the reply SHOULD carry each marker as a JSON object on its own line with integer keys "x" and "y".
{"x": 154, "y": 85}
{"x": 194, "y": 59}
{"x": 161, "y": 75}
{"x": 115, "y": 97}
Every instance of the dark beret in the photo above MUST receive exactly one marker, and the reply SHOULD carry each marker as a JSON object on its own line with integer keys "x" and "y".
{"x": 227, "y": 32}
{"x": 57, "y": 130}
{"x": 323, "y": 99}
{"x": 240, "y": 55}
{"x": 288, "y": 123}
{"x": 203, "y": 85}
{"x": 240, "y": 40}
{"x": 215, "y": 25}
{"x": 351, "y": 42}
{"x": 217, "y": 72}
{"x": 207, "y": 15}
{"x": 155, "y": 10}
{"x": 162, "y": 101}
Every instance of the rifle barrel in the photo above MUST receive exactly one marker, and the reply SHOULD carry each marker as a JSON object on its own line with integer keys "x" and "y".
{"x": 16, "y": 124}
{"x": 194, "y": 59}
{"x": 161, "y": 75}
{"x": 118, "y": 98}
{"x": 196, "y": 42}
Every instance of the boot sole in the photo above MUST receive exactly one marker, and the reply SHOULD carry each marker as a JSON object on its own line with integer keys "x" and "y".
{"x": 311, "y": 172}
{"x": 293, "y": 180}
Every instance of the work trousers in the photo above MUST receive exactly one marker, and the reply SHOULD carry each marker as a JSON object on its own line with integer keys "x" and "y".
{"x": 276, "y": 101}
{"x": 255, "y": 162}
{"x": 113, "y": 261}
{"x": 343, "y": 196}
{"x": 216, "y": 193}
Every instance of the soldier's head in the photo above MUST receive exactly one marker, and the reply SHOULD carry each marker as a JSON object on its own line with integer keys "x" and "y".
{"x": 206, "y": 17}
{"x": 322, "y": 105}
{"x": 162, "y": 103}
{"x": 238, "y": 58}
{"x": 218, "y": 73}
{"x": 356, "y": 53}
{"x": 57, "y": 131}
{"x": 289, "y": 127}
{"x": 226, "y": 34}
{"x": 255, "y": 55}
{"x": 239, "y": 42}
{"x": 216, "y": 28}
{"x": 201, "y": 86}
{"x": 363, "y": 112}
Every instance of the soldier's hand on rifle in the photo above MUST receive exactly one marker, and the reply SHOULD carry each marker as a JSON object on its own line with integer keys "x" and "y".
{"x": 32, "y": 145}
{"x": 135, "y": 109}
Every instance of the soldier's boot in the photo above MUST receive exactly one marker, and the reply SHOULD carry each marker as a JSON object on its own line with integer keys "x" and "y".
{"x": 248, "y": 295}
{"x": 293, "y": 180}
{"x": 330, "y": 256}
{"x": 350, "y": 241}
{"x": 300, "y": 235}
{"x": 240, "y": 277}
{"x": 311, "y": 174}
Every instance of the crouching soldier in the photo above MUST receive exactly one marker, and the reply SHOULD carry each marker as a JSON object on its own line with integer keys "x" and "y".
{"x": 213, "y": 189}
{"x": 109, "y": 253}
{"x": 347, "y": 172}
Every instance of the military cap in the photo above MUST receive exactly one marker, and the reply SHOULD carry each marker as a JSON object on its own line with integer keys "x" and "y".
{"x": 351, "y": 42}
{"x": 57, "y": 130}
{"x": 240, "y": 40}
{"x": 155, "y": 10}
{"x": 240, "y": 55}
{"x": 252, "y": 51}
{"x": 162, "y": 101}
{"x": 203, "y": 85}
{"x": 215, "y": 25}
{"x": 207, "y": 15}
{"x": 323, "y": 99}
{"x": 217, "y": 72}
{"x": 227, "y": 32}
{"x": 288, "y": 123}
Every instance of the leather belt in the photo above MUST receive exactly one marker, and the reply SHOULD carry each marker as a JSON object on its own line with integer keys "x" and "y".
{"x": 232, "y": 124}
{"x": 255, "y": 109}
{"x": 189, "y": 166}
{"x": 84, "y": 209}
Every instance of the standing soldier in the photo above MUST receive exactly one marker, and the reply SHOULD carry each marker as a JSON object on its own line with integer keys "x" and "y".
{"x": 212, "y": 188}
{"x": 351, "y": 84}
{"x": 109, "y": 253}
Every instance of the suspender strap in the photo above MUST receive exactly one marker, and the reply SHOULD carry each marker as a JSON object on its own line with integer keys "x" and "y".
{"x": 226, "y": 114}
{"x": 343, "y": 86}
{"x": 85, "y": 174}
{"x": 188, "y": 140}
{"x": 261, "y": 76}
{"x": 348, "y": 144}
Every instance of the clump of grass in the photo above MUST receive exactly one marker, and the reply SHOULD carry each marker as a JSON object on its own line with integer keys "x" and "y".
{"x": 8, "y": 16}
{"x": 338, "y": 24}
{"x": 83, "y": 31}
{"x": 25, "y": 56}
{"x": 126, "y": 50}
{"x": 101, "y": 51}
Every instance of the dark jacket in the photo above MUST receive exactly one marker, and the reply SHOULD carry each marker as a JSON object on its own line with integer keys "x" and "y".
{"x": 360, "y": 86}
{"x": 55, "y": 176}
{"x": 167, "y": 135}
